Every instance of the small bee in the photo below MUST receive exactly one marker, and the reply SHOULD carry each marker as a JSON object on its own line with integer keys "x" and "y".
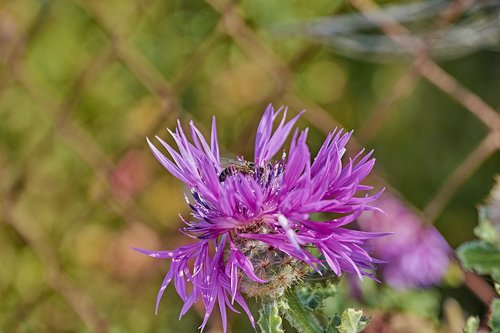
{"x": 240, "y": 166}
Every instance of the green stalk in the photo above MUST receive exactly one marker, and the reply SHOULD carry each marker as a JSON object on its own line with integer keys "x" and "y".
{"x": 298, "y": 315}
{"x": 270, "y": 320}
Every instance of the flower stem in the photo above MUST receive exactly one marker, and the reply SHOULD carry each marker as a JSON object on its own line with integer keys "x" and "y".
{"x": 270, "y": 320}
{"x": 298, "y": 315}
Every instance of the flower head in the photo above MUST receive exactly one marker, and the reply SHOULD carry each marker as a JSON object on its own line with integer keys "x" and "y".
{"x": 252, "y": 219}
{"x": 416, "y": 255}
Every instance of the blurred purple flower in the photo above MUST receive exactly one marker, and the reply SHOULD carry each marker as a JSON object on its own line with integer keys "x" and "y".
{"x": 252, "y": 219}
{"x": 416, "y": 254}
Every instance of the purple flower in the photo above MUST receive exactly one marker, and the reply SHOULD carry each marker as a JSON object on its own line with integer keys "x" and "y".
{"x": 252, "y": 220}
{"x": 416, "y": 255}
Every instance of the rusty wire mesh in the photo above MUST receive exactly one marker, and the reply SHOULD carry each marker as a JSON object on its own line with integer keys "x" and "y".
{"x": 53, "y": 215}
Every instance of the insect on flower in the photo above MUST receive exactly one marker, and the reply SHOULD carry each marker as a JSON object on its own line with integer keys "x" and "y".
{"x": 240, "y": 166}
{"x": 252, "y": 219}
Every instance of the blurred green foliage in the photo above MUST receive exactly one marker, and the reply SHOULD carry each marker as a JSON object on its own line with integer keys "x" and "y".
{"x": 83, "y": 82}
{"x": 483, "y": 255}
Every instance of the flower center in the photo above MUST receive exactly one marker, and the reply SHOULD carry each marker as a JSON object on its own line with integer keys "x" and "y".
{"x": 278, "y": 268}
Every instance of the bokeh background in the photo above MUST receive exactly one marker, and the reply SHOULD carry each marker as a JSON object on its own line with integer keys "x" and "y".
{"x": 83, "y": 82}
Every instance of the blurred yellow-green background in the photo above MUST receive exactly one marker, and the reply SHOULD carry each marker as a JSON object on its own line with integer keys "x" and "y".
{"x": 83, "y": 82}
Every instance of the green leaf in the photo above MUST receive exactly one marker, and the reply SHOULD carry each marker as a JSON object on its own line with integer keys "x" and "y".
{"x": 313, "y": 294}
{"x": 472, "y": 325}
{"x": 496, "y": 277}
{"x": 298, "y": 314}
{"x": 485, "y": 229}
{"x": 352, "y": 321}
{"x": 333, "y": 322}
{"x": 270, "y": 320}
{"x": 495, "y": 316}
{"x": 480, "y": 256}
{"x": 309, "y": 297}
